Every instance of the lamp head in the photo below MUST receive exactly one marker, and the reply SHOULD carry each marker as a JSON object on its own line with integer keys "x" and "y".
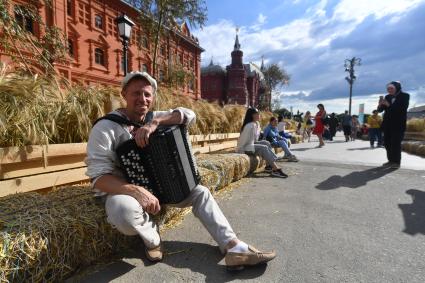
{"x": 124, "y": 26}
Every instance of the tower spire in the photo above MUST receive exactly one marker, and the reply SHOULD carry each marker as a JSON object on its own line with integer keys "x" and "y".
{"x": 237, "y": 46}
{"x": 262, "y": 63}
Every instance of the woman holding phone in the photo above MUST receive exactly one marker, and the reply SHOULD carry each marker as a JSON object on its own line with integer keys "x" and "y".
{"x": 395, "y": 105}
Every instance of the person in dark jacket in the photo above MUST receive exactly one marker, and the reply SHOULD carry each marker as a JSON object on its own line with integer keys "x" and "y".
{"x": 395, "y": 105}
{"x": 333, "y": 124}
{"x": 347, "y": 122}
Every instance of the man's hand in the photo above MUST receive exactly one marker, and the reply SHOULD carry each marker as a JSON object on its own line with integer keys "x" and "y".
{"x": 147, "y": 200}
{"x": 142, "y": 134}
{"x": 384, "y": 102}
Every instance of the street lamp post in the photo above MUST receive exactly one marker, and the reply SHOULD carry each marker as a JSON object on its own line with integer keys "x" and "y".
{"x": 349, "y": 67}
{"x": 124, "y": 28}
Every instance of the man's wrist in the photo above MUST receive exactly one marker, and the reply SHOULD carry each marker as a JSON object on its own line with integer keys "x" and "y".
{"x": 154, "y": 122}
{"x": 131, "y": 189}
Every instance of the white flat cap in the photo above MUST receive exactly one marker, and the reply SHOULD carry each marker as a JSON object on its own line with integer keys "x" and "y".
{"x": 136, "y": 74}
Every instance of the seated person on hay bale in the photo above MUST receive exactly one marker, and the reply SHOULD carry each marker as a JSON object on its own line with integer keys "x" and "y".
{"x": 281, "y": 128}
{"x": 271, "y": 134}
{"x": 129, "y": 207}
{"x": 250, "y": 144}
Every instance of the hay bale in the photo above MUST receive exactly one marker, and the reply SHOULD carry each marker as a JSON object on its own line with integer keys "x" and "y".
{"x": 209, "y": 178}
{"x": 47, "y": 237}
{"x": 296, "y": 138}
{"x": 229, "y": 167}
{"x": 414, "y": 147}
{"x": 407, "y": 146}
{"x": 421, "y": 150}
{"x": 415, "y": 125}
{"x": 221, "y": 166}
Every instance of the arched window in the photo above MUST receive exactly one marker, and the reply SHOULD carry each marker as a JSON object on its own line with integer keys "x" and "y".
{"x": 98, "y": 21}
{"x": 99, "y": 56}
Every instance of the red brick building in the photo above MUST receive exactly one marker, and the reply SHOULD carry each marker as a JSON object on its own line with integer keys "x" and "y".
{"x": 95, "y": 48}
{"x": 239, "y": 83}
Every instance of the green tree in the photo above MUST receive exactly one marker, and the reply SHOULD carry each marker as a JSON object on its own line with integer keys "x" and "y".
{"x": 274, "y": 77}
{"x": 159, "y": 17}
{"x": 275, "y": 105}
{"x": 17, "y": 39}
{"x": 178, "y": 76}
{"x": 282, "y": 112}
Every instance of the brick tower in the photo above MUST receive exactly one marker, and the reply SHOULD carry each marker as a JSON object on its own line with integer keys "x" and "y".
{"x": 236, "y": 77}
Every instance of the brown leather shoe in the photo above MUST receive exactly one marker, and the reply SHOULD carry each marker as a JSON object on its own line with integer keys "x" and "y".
{"x": 252, "y": 257}
{"x": 154, "y": 254}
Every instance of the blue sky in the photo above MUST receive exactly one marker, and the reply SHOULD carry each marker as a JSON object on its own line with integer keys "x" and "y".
{"x": 311, "y": 40}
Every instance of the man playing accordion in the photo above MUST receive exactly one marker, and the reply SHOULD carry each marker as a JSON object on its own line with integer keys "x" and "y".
{"x": 129, "y": 207}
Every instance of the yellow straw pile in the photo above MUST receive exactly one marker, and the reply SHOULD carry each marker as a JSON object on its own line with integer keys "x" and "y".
{"x": 415, "y": 125}
{"x": 40, "y": 110}
{"x": 46, "y": 237}
{"x": 414, "y": 147}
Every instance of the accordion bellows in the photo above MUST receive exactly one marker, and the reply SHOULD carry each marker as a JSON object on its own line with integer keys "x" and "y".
{"x": 166, "y": 167}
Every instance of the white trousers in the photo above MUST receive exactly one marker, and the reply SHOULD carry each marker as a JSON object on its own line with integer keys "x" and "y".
{"x": 127, "y": 215}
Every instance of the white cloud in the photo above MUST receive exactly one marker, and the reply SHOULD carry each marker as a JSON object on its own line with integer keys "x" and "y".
{"x": 302, "y": 93}
{"x": 318, "y": 9}
{"x": 303, "y": 48}
{"x": 358, "y": 10}
{"x": 417, "y": 96}
{"x": 312, "y": 31}
{"x": 218, "y": 39}
{"x": 261, "y": 20}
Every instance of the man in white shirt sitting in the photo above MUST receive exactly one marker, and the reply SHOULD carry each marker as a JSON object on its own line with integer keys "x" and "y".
{"x": 129, "y": 207}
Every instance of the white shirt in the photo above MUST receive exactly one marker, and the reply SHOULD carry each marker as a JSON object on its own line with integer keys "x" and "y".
{"x": 249, "y": 135}
{"x": 107, "y": 135}
{"x": 281, "y": 126}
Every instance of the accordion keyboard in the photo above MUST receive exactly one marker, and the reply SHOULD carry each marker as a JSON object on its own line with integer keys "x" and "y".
{"x": 166, "y": 167}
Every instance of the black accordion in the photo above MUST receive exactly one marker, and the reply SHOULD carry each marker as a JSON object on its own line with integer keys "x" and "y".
{"x": 166, "y": 167}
